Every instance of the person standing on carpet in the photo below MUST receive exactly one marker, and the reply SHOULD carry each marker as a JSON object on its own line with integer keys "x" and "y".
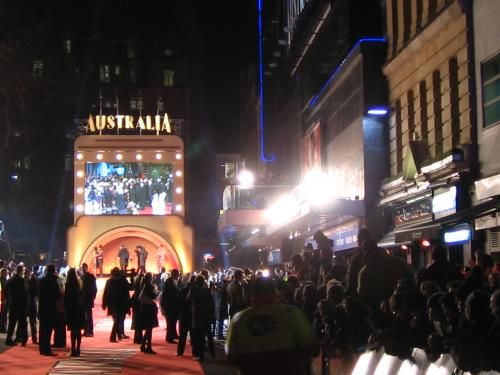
{"x": 185, "y": 315}
{"x": 48, "y": 294}
{"x": 33, "y": 303}
{"x": 116, "y": 299}
{"x": 17, "y": 304}
{"x": 202, "y": 309}
{"x": 74, "y": 310}
{"x": 170, "y": 305}
{"x": 89, "y": 292}
{"x": 148, "y": 315}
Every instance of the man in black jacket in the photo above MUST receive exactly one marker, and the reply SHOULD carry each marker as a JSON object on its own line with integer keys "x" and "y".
{"x": 48, "y": 294}
{"x": 170, "y": 305}
{"x": 89, "y": 288}
{"x": 17, "y": 302}
{"x": 116, "y": 299}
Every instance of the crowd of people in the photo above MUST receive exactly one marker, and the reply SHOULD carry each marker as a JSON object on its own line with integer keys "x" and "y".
{"x": 315, "y": 304}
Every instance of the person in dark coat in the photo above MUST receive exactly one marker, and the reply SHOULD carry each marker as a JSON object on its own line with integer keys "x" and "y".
{"x": 116, "y": 299}
{"x": 89, "y": 292}
{"x": 48, "y": 294}
{"x": 136, "y": 306}
{"x": 170, "y": 305}
{"x": 380, "y": 274}
{"x": 148, "y": 315}
{"x": 17, "y": 304}
{"x": 32, "y": 281}
{"x": 356, "y": 263}
{"x": 74, "y": 310}
{"x": 441, "y": 270}
{"x": 3, "y": 300}
{"x": 185, "y": 315}
{"x": 202, "y": 309}
{"x": 223, "y": 310}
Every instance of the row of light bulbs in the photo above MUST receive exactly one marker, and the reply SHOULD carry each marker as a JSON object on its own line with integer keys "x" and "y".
{"x": 79, "y": 208}
{"x": 80, "y": 174}
{"x": 119, "y": 156}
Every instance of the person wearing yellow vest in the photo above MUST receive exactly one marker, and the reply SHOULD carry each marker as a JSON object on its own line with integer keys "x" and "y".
{"x": 269, "y": 337}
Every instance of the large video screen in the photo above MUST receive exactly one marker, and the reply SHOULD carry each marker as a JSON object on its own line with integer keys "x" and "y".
{"x": 129, "y": 189}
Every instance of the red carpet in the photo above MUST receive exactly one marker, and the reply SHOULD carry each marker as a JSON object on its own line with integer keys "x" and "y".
{"x": 27, "y": 361}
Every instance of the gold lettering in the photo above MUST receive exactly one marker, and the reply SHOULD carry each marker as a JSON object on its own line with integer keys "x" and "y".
{"x": 157, "y": 122}
{"x": 129, "y": 122}
{"x": 90, "y": 125}
{"x": 140, "y": 123}
{"x": 119, "y": 119}
{"x": 148, "y": 122}
{"x": 100, "y": 122}
{"x": 111, "y": 122}
{"x": 166, "y": 124}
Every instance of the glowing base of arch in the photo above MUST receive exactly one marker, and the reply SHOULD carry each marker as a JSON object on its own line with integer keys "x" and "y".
{"x": 148, "y": 231}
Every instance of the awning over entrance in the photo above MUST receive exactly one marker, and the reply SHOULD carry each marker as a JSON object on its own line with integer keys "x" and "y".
{"x": 428, "y": 231}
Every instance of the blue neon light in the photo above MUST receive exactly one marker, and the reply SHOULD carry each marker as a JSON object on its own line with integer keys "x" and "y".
{"x": 263, "y": 157}
{"x": 316, "y": 97}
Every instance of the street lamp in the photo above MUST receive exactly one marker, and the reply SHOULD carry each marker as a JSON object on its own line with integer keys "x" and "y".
{"x": 245, "y": 179}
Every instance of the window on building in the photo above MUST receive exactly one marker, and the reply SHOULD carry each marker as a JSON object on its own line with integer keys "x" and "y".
{"x": 133, "y": 75}
{"x": 394, "y": 19}
{"x": 406, "y": 20}
{"x": 131, "y": 51}
{"x": 411, "y": 114}
{"x": 133, "y": 103}
{"x": 399, "y": 137}
{"x": 454, "y": 108}
{"x": 424, "y": 128}
{"x": 438, "y": 123}
{"x": 107, "y": 103}
{"x": 38, "y": 69}
{"x": 67, "y": 46}
{"x": 229, "y": 170}
{"x": 117, "y": 70}
{"x": 168, "y": 78}
{"x": 160, "y": 105}
{"x": 104, "y": 73}
{"x": 491, "y": 91}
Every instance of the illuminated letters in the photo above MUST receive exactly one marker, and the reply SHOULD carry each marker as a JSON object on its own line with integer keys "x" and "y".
{"x": 155, "y": 124}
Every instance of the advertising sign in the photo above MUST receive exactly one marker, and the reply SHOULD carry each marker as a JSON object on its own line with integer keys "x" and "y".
{"x": 444, "y": 202}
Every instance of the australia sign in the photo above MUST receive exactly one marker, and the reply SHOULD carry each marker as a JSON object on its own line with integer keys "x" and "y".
{"x": 142, "y": 124}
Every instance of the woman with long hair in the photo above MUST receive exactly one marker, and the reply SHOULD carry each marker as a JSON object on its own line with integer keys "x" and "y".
{"x": 73, "y": 307}
{"x": 148, "y": 312}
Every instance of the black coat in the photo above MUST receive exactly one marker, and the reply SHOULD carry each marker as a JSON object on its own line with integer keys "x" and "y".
{"x": 48, "y": 295}
{"x": 89, "y": 289}
{"x": 17, "y": 295}
{"x": 73, "y": 309}
{"x": 202, "y": 306}
{"x": 116, "y": 297}
{"x": 170, "y": 297}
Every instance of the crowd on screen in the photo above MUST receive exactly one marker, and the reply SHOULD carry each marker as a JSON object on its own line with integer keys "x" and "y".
{"x": 316, "y": 304}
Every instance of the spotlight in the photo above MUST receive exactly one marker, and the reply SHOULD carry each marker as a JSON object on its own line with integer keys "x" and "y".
{"x": 79, "y": 191}
{"x": 426, "y": 243}
{"x": 119, "y": 156}
{"x": 404, "y": 247}
{"x": 158, "y": 156}
{"x": 178, "y": 173}
{"x": 79, "y": 174}
{"x": 138, "y": 157}
{"x": 79, "y": 208}
{"x": 79, "y": 156}
{"x": 99, "y": 156}
{"x": 178, "y": 156}
{"x": 178, "y": 207}
{"x": 178, "y": 190}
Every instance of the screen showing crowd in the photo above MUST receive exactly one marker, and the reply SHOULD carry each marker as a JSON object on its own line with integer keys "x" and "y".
{"x": 128, "y": 189}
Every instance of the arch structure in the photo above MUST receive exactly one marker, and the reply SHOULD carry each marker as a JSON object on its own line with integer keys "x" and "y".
{"x": 167, "y": 239}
